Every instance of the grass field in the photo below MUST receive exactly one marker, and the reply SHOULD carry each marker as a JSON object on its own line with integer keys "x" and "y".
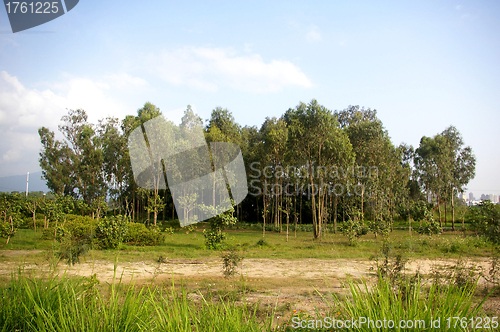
{"x": 331, "y": 246}
{"x": 33, "y": 300}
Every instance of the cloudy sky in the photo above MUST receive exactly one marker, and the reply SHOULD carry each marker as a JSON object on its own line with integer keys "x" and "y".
{"x": 424, "y": 65}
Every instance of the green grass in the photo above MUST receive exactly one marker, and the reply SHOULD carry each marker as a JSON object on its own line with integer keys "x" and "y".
{"x": 82, "y": 304}
{"x": 331, "y": 246}
{"x": 413, "y": 302}
{"x": 31, "y": 304}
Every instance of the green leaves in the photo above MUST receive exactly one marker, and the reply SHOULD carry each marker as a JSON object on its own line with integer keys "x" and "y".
{"x": 10, "y": 214}
{"x": 111, "y": 231}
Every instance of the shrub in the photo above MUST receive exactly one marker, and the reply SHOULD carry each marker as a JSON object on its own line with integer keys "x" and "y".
{"x": 138, "y": 234}
{"x": 111, "y": 231}
{"x": 75, "y": 235}
{"x": 214, "y": 237}
{"x": 353, "y": 229}
{"x": 230, "y": 261}
{"x": 170, "y": 231}
{"x": 27, "y": 223}
{"x": 71, "y": 247}
{"x": 378, "y": 226}
{"x": 262, "y": 243}
{"x": 80, "y": 226}
{"x": 485, "y": 219}
{"x": 429, "y": 228}
{"x": 48, "y": 233}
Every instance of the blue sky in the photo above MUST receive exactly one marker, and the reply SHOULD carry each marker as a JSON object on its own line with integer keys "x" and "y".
{"x": 424, "y": 65}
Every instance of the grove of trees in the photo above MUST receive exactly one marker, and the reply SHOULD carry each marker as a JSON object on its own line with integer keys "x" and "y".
{"x": 310, "y": 166}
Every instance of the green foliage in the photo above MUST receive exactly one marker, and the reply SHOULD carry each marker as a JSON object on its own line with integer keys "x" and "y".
{"x": 188, "y": 229}
{"x": 353, "y": 229}
{"x": 111, "y": 231}
{"x": 262, "y": 243}
{"x": 429, "y": 228}
{"x": 138, "y": 234}
{"x": 10, "y": 214}
{"x": 378, "y": 226}
{"x": 214, "y": 237}
{"x": 76, "y": 237}
{"x": 80, "y": 226}
{"x": 429, "y": 225}
{"x": 485, "y": 219}
{"x": 230, "y": 261}
{"x": 391, "y": 266}
{"x": 170, "y": 230}
{"x": 72, "y": 247}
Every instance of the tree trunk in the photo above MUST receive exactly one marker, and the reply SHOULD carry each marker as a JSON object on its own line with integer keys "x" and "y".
{"x": 452, "y": 210}
{"x": 445, "y": 213}
{"x": 409, "y": 221}
{"x": 287, "y": 217}
{"x": 264, "y": 213}
{"x": 440, "y": 217}
{"x": 335, "y": 216}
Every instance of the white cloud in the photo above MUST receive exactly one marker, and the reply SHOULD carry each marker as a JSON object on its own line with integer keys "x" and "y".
{"x": 313, "y": 35}
{"x": 213, "y": 68}
{"x": 458, "y": 7}
{"x": 125, "y": 81}
{"x": 24, "y": 110}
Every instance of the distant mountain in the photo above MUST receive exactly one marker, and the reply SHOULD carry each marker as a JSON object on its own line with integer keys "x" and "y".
{"x": 18, "y": 183}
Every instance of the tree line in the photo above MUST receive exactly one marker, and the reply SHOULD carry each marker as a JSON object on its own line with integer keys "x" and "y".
{"x": 311, "y": 165}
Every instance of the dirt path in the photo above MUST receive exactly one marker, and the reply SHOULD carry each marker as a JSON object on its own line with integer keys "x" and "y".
{"x": 307, "y": 269}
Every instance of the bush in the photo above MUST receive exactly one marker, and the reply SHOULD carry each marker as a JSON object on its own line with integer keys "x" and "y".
{"x": 378, "y": 226}
{"x": 214, "y": 237}
{"x": 111, "y": 231}
{"x": 353, "y": 229}
{"x": 76, "y": 237}
{"x": 485, "y": 220}
{"x": 28, "y": 223}
{"x": 230, "y": 262}
{"x": 80, "y": 226}
{"x": 71, "y": 248}
{"x": 138, "y": 234}
{"x": 429, "y": 228}
{"x": 48, "y": 233}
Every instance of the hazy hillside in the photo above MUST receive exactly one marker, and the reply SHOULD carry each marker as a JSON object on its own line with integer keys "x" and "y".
{"x": 18, "y": 183}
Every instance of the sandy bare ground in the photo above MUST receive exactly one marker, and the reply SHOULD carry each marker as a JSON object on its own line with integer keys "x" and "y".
{"x": 308, "y": 269}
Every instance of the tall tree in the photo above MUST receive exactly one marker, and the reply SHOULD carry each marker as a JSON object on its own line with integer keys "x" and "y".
{"x": 56, "y": 163}
{"x": 319, "y": 143}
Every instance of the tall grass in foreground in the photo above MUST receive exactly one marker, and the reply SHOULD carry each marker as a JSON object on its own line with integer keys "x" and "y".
{"x": 64, "y": 304}
{"x": 412, "y": 300}
{"x": 29, "y": 304}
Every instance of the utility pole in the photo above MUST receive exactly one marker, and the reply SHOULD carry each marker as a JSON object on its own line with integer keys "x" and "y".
{"x": 27, "y": 181}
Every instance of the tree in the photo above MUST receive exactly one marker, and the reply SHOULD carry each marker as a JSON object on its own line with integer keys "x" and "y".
{"x": 318, "y": 143}
{"x": 463, "y": 164}
{"x": 32, "y": 204}
{"x": 445, "y": 166}
{"x": 116, "y": 160}
{"x": 87, "y": 157}
{"x": 10, "y": 214}
{"x": 56, "y": 163}
{"x": 376, "y": 159}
